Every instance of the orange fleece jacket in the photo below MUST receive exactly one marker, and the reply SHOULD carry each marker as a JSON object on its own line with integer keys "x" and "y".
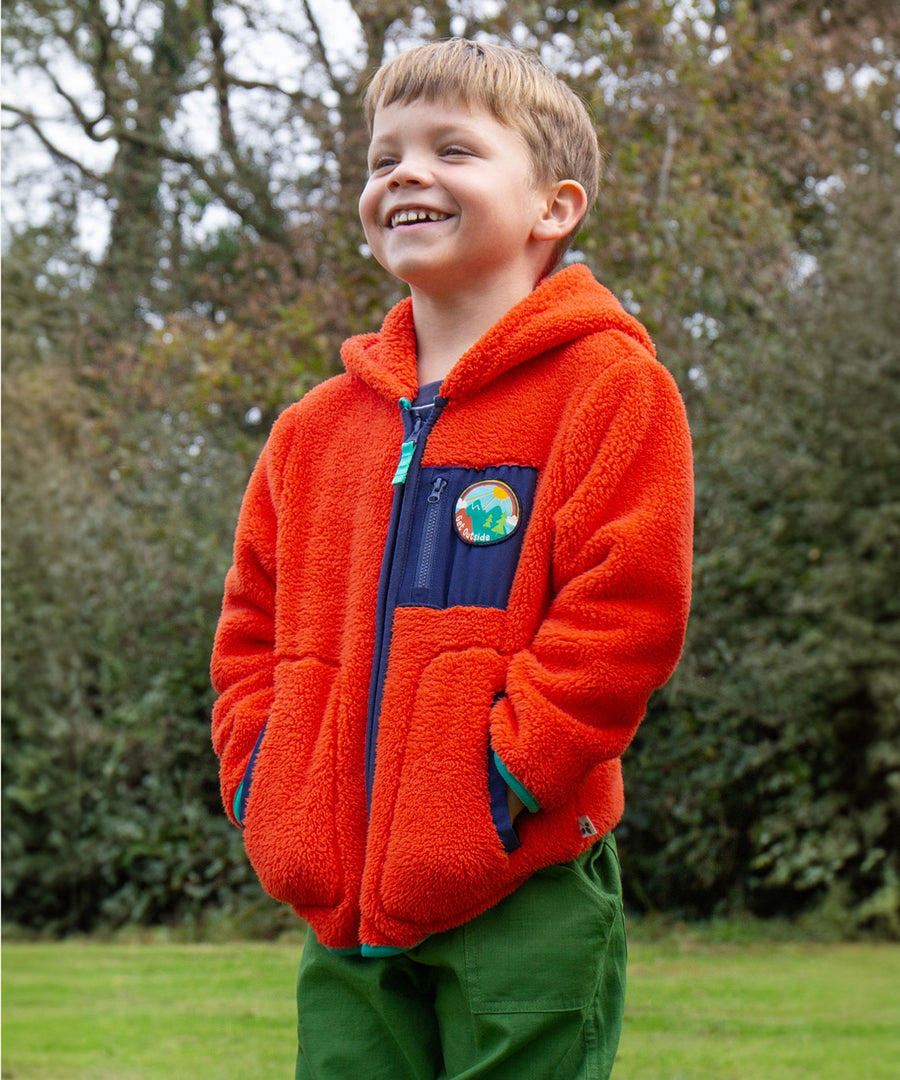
{"x": 542, "y": 668}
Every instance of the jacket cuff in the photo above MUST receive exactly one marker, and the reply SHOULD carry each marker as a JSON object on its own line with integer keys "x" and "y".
{"x": 530, "y": 802}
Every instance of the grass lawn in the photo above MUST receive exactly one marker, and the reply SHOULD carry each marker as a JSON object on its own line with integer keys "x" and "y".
{"x": 765, "y": 1012}
{"x": 696, "y": 1011}
{"x": 86, "y": 1011}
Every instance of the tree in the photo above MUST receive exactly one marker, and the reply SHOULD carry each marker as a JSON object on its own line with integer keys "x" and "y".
{"x": 134, "y": 77}
{"x": 785, "y": 712}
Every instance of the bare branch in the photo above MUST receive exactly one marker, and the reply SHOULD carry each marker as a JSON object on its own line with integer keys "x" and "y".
{"x": 217, "y": 183}
{"x": 220, "y": 78}
{"x": 296, "y": 96}
{"x": 89, "y": 126}
{"x": 320, "y": 47}
{"x": 33, "y": 123}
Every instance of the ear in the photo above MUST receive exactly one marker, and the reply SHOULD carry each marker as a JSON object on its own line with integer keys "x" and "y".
{"x": 565, "y": 206}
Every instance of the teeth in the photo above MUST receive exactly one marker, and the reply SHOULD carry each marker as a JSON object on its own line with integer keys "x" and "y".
{"x": 411, "y": 217}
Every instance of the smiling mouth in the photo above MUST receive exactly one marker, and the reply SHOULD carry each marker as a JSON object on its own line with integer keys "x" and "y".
{"x": 415, "y": 217}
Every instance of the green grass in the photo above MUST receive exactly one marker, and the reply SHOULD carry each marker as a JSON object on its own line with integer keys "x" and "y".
{"x": 696, "y": 1011}
{"x": 84, "y": 1011}
{"x": 767, "y": 1012}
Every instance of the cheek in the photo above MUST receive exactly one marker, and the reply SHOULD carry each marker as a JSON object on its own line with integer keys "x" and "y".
{"x": 368, "y": 203}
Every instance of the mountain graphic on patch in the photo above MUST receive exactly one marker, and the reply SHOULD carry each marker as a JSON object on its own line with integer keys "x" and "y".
{"x": 486, "y": 512}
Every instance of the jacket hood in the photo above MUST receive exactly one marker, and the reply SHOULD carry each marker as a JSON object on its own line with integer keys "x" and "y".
{"x": 570, "y": 304}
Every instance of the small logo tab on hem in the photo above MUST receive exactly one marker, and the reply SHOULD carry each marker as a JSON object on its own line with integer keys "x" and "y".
{"x": 586, "y": 826}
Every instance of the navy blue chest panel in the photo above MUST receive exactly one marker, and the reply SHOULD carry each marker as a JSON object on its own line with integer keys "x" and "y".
{"x": 454, "y": 539}
{"x": 467, "y": 528}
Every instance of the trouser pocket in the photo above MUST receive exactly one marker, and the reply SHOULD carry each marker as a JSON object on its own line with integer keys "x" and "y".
{"x": 544, "y": 947}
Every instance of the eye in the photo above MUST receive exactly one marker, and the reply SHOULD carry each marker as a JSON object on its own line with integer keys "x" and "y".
{"x": 379, "y": 164}
{"x": 455, "y": 150}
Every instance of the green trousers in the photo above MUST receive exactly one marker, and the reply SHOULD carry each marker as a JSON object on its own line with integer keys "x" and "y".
{"x": 533, "y": 989}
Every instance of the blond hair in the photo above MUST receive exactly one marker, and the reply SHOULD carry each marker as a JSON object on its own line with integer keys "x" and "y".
{"x": 512, "y": 86}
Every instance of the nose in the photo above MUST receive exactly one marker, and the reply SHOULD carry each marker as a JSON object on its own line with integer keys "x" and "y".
{"x": 410, "y": 172}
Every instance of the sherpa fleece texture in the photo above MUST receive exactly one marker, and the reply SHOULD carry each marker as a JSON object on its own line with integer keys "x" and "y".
{"x": 555, "y": 682}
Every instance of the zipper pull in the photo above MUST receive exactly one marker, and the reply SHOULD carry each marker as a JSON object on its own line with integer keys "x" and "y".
{"x": 407, "y": 448}
{"x": 437, "y": 489}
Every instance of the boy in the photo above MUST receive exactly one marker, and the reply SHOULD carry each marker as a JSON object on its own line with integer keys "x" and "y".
{"x": 460, "y": 569}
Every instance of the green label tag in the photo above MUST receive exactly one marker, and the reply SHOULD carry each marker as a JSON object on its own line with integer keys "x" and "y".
{"x": 406, "y": 453}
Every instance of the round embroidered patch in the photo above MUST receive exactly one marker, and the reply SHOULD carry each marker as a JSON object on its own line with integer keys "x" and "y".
{"x": 486, "y": 512}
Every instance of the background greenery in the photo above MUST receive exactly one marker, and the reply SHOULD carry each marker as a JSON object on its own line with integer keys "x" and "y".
{"x": 749, "y": 218}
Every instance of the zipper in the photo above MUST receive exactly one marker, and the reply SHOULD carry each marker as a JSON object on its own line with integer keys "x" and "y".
{"x": 429, "y": 532}
{"x": 406, "y": 482}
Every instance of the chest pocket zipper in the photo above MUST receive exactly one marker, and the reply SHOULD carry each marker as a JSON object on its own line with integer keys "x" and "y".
{"x": 429, "y": 533}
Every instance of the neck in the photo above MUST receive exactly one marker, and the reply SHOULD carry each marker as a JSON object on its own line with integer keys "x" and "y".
{"x": 447, "y": 327}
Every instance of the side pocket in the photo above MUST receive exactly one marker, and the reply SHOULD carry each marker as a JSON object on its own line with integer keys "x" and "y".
{"x": 295, "y": 800}
{"x": 242, "y": 794}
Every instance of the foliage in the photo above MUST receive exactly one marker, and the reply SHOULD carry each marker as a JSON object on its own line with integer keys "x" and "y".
{"x": 107, "y": 604}
{"x": 786, "y": 712}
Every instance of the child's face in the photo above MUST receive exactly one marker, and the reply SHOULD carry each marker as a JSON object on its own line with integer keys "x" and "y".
{"x": 450, "y": 206}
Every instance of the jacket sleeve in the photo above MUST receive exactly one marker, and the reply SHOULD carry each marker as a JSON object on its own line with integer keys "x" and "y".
{"x": 243, "y": 658}
{"x": 615, "y": 625}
